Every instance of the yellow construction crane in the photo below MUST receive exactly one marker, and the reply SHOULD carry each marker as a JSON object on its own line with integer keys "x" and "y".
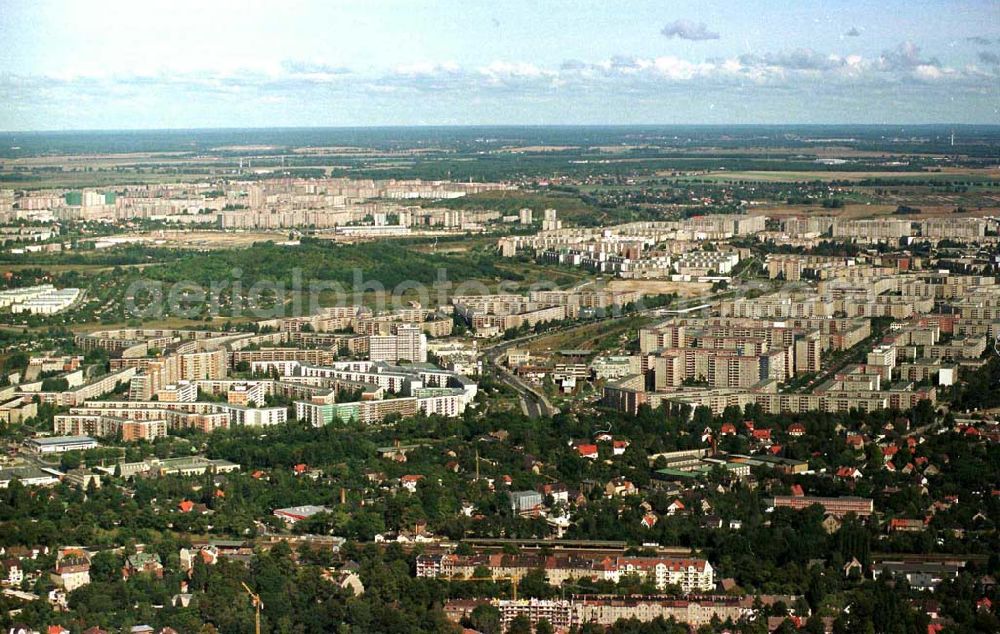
{"x": 258, "y": 605}
{"x": 513, "y": 579}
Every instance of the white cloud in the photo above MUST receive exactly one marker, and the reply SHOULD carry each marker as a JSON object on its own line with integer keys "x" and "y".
{"x": 427, "y": 68}
{"x": 688, "y": 30}
{"x": 906, "y": 56}
{"x": 793, "y": 74}
{"x": 513, "y": 70}
{"x": 929, "y": 71}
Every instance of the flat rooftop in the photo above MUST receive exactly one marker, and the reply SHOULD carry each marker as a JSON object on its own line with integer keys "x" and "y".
{"x": 60, "y": 440}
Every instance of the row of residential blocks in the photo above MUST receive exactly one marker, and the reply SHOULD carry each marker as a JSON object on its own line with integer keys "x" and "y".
{"x": 738, "y": 352}
{"x": 690, "y": 574}
{"x": 629, "y": 394}
{"x": 261, "y": 204}
{"x": 782, "y": 306}
{"x": 421, "y": 388}
{"x": 628, "y": 239}
{"x": 74, "y": 395}
{"x": 564, "y": 614}
{"x": 154, "y": 374}
{"x": 883, "y": 229}
{"x": 145, "y": 420}
{"x": 494, "y": 314}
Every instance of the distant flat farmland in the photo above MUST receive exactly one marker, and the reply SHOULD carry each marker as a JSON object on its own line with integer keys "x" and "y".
{"x": 946, "y": 174}
{"x": 856, "y": 211}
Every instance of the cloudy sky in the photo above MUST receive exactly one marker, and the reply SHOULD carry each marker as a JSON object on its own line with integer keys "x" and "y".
{"x": 112, "y": 64}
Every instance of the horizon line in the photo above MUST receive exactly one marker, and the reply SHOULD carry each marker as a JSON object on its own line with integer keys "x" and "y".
{"x": 496, "y": 126}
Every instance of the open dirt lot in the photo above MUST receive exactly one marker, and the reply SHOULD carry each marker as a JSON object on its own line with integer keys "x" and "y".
{"x": 210, "y": 239}
{"x": 662, "y": 287}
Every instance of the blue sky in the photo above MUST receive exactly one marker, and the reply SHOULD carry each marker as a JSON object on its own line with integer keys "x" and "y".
{"x": 151, "y": 64}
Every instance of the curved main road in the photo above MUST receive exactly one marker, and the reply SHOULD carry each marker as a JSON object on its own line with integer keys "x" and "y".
{"x": 534, "y": 403}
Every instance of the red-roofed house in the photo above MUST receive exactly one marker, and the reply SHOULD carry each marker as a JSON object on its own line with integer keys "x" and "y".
{"x": 797, "y": 490}
{"x": 620, "y": 486}
{"x": 649, "y": 520}
{"x": 728, "y": 429}
{"x": 409, "y": 482}
{"x": 675, "y": 507}
{"x": 796, "y": 430}
{"x": 587, "y": 451}
{"x": 618, "y": 447}
{"x": 558, "y": 491}
{"x": 300, "y": 468}
{"x": 906, "y": 525}
{"x": 186, "y": 506}
{"x": 849, "y": 473}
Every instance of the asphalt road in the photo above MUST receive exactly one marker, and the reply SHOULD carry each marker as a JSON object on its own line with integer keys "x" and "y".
{"x": 534, "y": 403}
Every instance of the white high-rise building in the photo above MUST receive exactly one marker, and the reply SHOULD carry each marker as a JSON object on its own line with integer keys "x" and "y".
{"x": 551, "y": 221}
{"x": 409, "y": 344}
{"x": 255, "y": 194}
{"x": 92, "y": 199}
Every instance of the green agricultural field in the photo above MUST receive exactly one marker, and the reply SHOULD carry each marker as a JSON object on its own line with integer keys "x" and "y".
{"x": 795, "y": 176}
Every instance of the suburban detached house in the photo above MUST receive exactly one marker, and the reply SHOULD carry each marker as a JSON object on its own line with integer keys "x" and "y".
{"x": 675, "y": 507}
{"x": 409, "y": 482}
{"x": 72, "y": 569}
{"x": 849, "y": 473}
{"x": 142, "y": 562}
{"x": 14, "y": 572}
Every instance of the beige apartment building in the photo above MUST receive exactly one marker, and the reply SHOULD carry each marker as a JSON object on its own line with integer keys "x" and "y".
{"x": 872, "y": 230}
{"x": 953, "y": 228}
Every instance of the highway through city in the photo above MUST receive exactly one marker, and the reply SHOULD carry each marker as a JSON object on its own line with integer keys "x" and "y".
{"x": 534, "y": 402}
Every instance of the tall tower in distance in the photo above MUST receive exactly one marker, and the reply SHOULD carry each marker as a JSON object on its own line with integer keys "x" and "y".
{"x": 551, "y": 222}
